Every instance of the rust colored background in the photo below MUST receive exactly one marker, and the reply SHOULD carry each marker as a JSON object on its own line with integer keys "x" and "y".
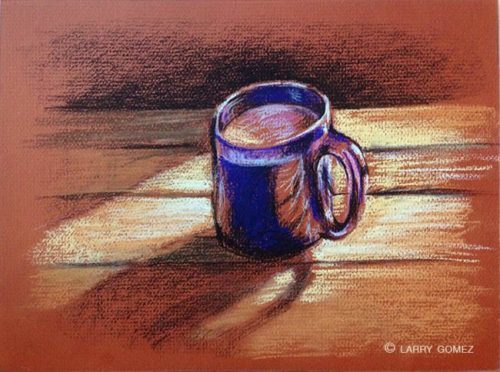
{"x": 153, "y": 55}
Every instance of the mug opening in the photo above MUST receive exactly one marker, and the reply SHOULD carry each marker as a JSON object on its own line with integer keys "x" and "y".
{"x": 277, "y": 92}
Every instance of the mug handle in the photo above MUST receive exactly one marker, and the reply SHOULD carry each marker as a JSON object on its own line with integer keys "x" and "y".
{"x": 349, "y": 155}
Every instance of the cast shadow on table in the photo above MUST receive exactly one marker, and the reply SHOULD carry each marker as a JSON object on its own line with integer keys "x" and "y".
{"x": 198, "y": 297}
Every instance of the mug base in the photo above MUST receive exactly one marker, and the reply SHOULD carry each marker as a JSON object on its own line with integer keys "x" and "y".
{"x": 258, "y": 254}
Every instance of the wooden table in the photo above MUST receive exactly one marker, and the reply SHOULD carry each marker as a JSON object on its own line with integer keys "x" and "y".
{"x": 131, "y": 254}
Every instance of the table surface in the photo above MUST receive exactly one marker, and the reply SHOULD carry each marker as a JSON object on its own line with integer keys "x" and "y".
{"x": 131, "y": 254}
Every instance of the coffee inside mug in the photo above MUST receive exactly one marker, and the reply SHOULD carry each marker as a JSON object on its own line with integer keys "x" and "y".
{"x": 266, "y": 125}
{"x": 258, "y": 119}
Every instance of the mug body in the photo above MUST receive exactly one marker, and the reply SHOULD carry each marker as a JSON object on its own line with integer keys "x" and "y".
{"x": 264, "y": 198}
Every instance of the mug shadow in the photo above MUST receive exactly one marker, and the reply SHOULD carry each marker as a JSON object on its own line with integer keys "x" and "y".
{"x": 199, "y": 297}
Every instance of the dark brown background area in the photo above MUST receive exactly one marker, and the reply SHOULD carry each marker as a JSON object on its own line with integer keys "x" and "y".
{"x": 183, "y": 64}
{"x": 123, "y": 55}
{"x": 191, "y": 55}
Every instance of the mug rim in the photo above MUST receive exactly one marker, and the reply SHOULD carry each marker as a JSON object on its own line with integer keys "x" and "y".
{"x": 325, "y": 117}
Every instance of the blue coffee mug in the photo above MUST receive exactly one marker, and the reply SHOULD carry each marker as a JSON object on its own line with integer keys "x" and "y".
{"x": 276, "y": 200}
